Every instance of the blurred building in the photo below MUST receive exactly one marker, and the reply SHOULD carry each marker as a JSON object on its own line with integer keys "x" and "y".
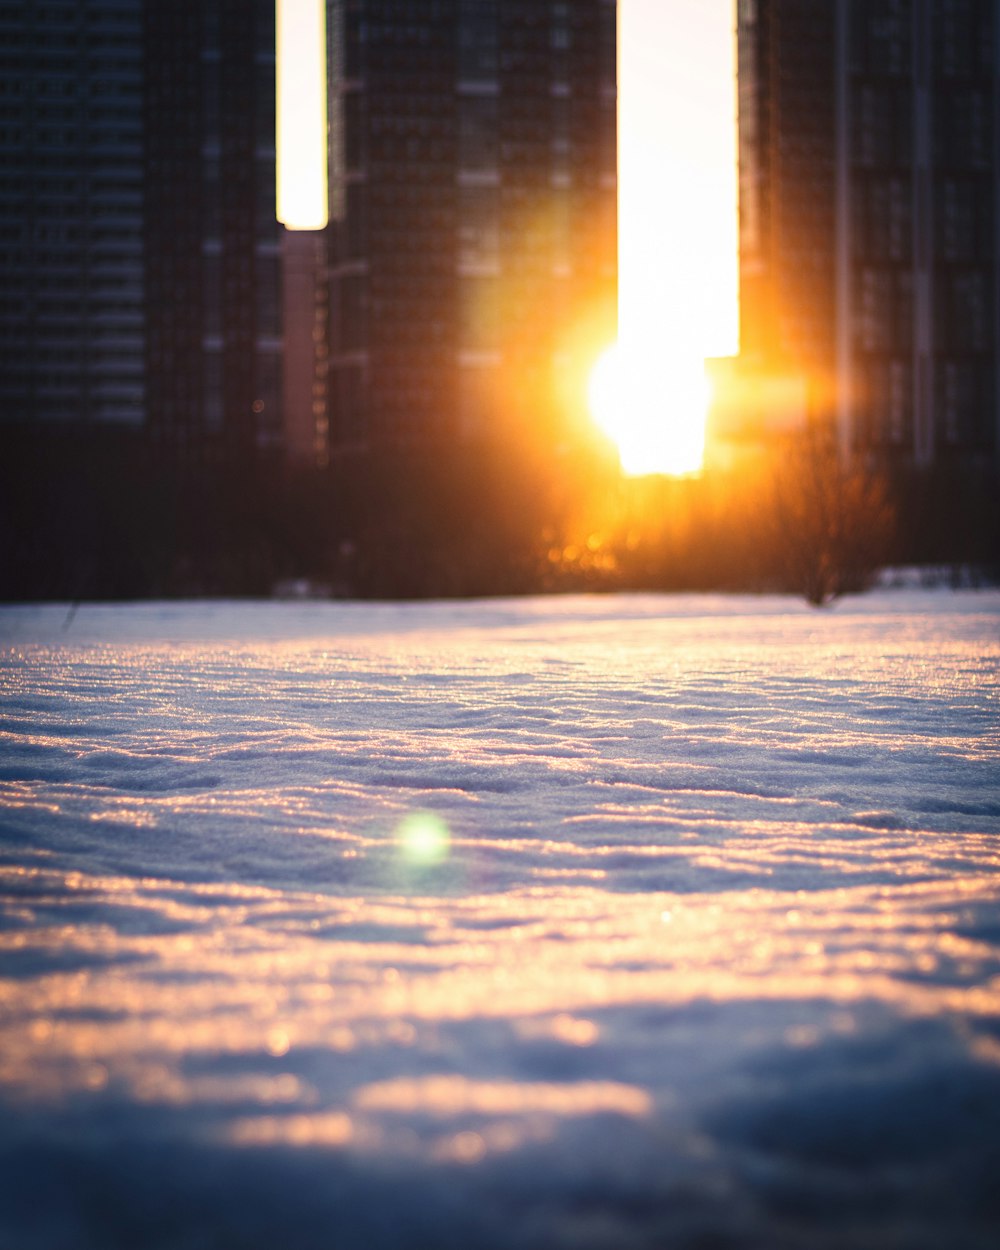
{"x": 305, "y": 317}
{"x": 146, "y": 282}
{"x": 141, "y": 278}
{"x": 72, "y": 279}
{"x": 869, "y": 226}
{"x": 473, "y": 205}
{"x": 212, "y": 243}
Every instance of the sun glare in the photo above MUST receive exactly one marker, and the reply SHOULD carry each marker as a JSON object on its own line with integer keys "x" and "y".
{"x": 652, "y": 409}
{"x": 677, "y": 231}
{"x": 677, "y": 217}
{"x": 301, "y": 113}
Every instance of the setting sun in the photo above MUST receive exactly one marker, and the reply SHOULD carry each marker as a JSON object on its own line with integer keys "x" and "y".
{"x": 652, "y": 409}
{"x": 677, "y": 217}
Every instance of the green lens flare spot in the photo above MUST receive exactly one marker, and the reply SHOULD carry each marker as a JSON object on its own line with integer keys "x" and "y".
{"x": 424, "y": 838}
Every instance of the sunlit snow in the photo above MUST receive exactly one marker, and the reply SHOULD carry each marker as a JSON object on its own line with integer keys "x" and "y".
{"x": 599, "y": 922}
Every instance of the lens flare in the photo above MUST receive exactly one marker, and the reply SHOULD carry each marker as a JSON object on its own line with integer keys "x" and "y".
{"x": 423, "y": 838}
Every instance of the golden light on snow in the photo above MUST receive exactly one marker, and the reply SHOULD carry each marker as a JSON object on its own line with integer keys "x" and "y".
{"x": 451, "y": 1096}
{"x": 301, "y": 114}
{"x": 721, "y": 887}
{"x": 275, "y": 971}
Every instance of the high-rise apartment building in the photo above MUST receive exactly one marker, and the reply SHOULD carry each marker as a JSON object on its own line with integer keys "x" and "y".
{"x": 869, "y": 225}
{"x": 473, "y": 206}
{"x": 212, "y": 242}
{"x": 138, "y": 242}
{"x": 72, "y": 279}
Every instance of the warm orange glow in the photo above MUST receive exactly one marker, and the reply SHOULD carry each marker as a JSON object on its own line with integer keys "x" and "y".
{"x": 301, "y": 113}
{"x": 652, "y": 408}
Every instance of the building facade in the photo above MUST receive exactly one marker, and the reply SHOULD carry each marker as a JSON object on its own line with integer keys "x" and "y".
{"x": 139, "y": 249}
{"x": 472, "y": 247}
{"x": 212, "y": 241}
{"x": 73, "y": 290}
{"x": 869, "y": 256}
{"x": 473, "y": 202}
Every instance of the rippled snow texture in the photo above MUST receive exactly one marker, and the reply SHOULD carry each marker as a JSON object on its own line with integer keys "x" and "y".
{"x": 599, "y": 922}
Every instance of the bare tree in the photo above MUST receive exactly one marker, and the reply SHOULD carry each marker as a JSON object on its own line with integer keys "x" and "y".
{"x": 833, "y": 517}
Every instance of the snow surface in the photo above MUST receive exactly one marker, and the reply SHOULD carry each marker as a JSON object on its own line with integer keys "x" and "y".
{"x": 584, "y": 922}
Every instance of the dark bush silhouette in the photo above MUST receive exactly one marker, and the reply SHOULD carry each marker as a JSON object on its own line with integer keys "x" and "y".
{"x": 832, "y": 517}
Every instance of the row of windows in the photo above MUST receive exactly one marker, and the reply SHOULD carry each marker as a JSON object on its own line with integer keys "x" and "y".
{"x": 414, "y": 10}
{"x": 55, "y": 411}
{"x": 883, "y": 310}
{"x": 126, "y": 281}
{"x": 410, "y": 35}
{"x": 965, "y": 310}
{"x": 968, "y": 56}
{"x": 882, "y": 224}
{"x": 109, "y": 45}
{"x": 84, "y": 113}
{"x": 480, "y": 117}
{"x": 33, "y": 265}
{"x": 964, "y": 222}
{"x": 413, "y": 150}
{"x": 75, "y": 191}
{"x": 67, "y": 88}
{"x": 882, "y": 125}
{"x": 885, "y": 411}
{"x": 34, "y": 163}
{"x": 63, "y": 145}
{"x": 965, "y": 402}
{"x": 962, "y": 39}
{"x": 64, "y": 357}
{"x": 123, "y": 314}
{"x": 52, "y": 229}
{"x": 963, "y": 128}
{"x": 75, "y": 128}
{"x": 47, "y": 12}
{"x": 881, "y": 38}
{"x": 50, "y": 216}
{"x": 403, "y": 122}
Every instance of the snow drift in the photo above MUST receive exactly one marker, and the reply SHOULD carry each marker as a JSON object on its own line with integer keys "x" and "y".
{"x": 598, "y": 922}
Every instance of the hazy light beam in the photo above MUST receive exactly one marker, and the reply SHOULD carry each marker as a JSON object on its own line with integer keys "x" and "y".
{"x": 677, "y": 230}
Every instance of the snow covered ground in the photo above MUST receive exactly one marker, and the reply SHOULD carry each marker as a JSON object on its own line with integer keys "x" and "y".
{"x": 586, "y": 922}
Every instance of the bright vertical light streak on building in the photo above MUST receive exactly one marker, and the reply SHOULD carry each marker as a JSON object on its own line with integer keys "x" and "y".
{"x": 301, "y": 113}
{"x": 677, "y": 139}
{"x": 678, "y": 280}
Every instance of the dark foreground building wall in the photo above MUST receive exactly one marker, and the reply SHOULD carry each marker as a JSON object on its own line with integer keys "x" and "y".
{"x": 869, "y": 167}
{"x": 473, "y": 197}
